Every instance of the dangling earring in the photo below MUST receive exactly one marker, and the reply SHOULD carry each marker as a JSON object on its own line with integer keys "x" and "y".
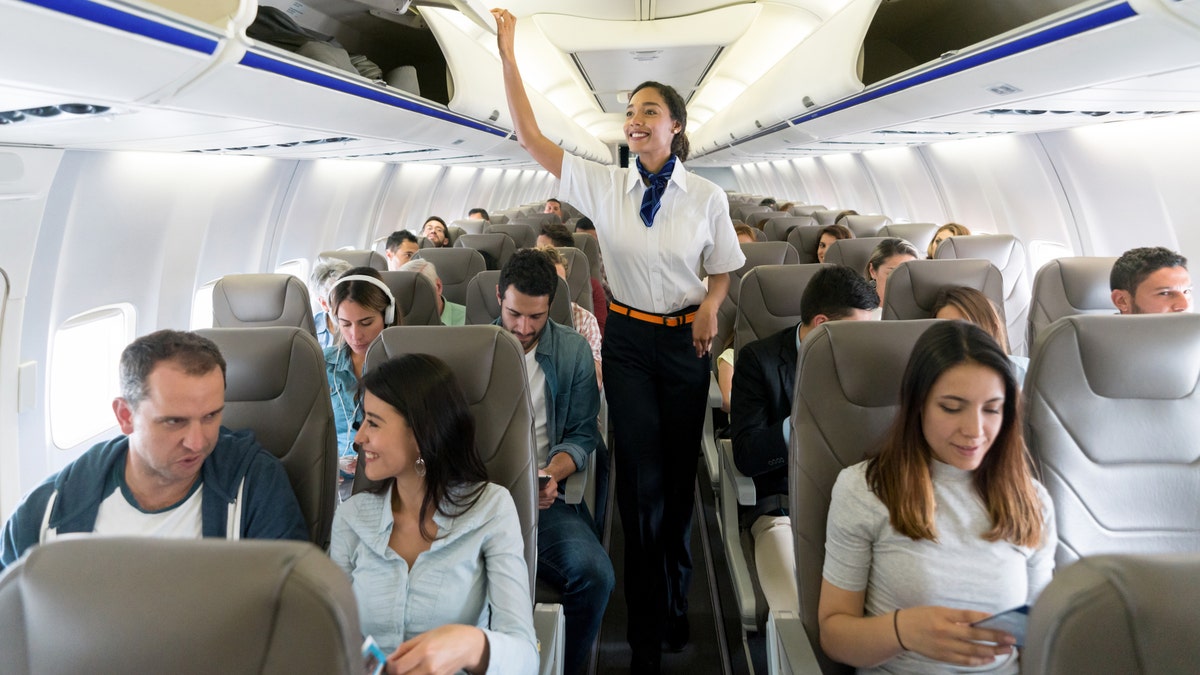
{"x": 419, "y": 467}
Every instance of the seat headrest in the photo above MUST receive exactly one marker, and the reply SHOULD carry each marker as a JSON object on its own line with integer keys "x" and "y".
{"x": 767, "y": 253}
{"x": 275, "y": 352}
{"x": 914, "y": 285}
{"x": 864, "y": 354}
{"x": 261, "y": 300}
{"x": 1085, "y": 281}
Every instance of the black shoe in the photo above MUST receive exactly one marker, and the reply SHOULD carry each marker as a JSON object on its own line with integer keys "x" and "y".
{"x": 678, "y": 633}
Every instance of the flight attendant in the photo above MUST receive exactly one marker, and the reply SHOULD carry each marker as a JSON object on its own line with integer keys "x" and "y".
{"x": 661, "y": 231}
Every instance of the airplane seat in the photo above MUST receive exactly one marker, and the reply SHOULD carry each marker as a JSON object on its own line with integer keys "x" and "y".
{"x": 766, "y": 253}
{"x": 760, "y": 236}
{"x": 1007, "y": 253}
{"x": 471, "y": 225}
{"x": 497, "y": 248}
{"x": 1112, "y": 413}
{"x": 805, "y": 238}
{"x": 745, "y": 212}
{"x": 779, "y": 227}
{"x": 579, "y": 277}
{"x": 807, "y": 210}
{"x": 591, "y": 248}
{"x": 770, "y": 300}
{"x": 864, "y": 226}
{"x": 147, "y": 605}
{"x": 913, "y": 286}
{"x": 261, "y": 300}
{"x": 358, "y": 257}
{"x": 757, "y": 219}
{"x": 1117, "y": 614}
{"x": 456, "y": 267}
{"x": 1069, "y": 286}
{"x": 490, "y": 367}
{"x": 917, "y": 234}
{"x": 726, "y": 318}
{"x": 453, "y": 232}
{"x": 853, "y": 253}
{"x": 523, "y": 236}
{"x": 828, "y": 216}
{"x": 275, "y": 385}
{"x": 416, "y": 298}
{"x": 499, "y": 218}
{"x": 483, "y": 307}
{"x": 847, "y": 394}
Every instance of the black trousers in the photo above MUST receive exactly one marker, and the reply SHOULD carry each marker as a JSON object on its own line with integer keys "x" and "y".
{"x": 657, "y": 390}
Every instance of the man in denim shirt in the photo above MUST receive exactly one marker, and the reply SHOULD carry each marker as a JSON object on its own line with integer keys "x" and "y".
{"x": 566, "y": 401}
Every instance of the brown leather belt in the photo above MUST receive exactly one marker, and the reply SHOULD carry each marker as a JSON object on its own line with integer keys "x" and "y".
{"x": 670, "y": 320}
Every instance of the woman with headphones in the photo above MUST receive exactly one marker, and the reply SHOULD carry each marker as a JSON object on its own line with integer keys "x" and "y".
{"x": 362, "y": 306}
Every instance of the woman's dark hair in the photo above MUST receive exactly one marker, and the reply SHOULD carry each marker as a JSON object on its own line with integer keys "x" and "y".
{"x": 678, "y": 109}
{"x": 886, "y": 249}
{"x": 974, "y": 307}
{"x": 423, "y": 389}
{"x": 838, "y": 232}
{"x": 900, "y": 474}
{"x": 362, "y": 293}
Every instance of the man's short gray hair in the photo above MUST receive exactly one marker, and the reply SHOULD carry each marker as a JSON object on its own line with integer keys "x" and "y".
{"x": 422, "y": 267}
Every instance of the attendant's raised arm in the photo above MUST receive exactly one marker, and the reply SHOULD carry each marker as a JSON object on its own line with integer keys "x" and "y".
{"x": 542, "y": 149}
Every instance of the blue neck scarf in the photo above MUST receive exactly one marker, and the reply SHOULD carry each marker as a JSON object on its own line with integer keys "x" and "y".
{"x": 657, "y": 185}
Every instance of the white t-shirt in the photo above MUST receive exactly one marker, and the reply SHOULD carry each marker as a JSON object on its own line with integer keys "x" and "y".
{"x": 119, "y": 516}
{"x": 656, "y": 269}
{"x": 537, "y": 397}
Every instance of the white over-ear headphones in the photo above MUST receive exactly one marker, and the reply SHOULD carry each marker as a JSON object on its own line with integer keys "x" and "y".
{"x": 389, "y": 315}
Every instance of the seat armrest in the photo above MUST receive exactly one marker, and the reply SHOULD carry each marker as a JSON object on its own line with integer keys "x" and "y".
{"x": 714, "y": 392}
{"x": 578, "y": 483}
{"x": 743, "y": 484}
{"x": 788, "y": 649}
{"x": 550, "y": 627}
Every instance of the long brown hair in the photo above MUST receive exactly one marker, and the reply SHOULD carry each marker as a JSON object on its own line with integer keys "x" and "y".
{"x": 975, "y": 307}
{"x": 900, "y": 474}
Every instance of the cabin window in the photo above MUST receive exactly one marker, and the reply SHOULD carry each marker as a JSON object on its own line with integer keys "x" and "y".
{"x": 83, "y": 380}
{"x": 202, "y": 306}
{"x": 1042, "y": 252}
{"x": 297, "y": 267}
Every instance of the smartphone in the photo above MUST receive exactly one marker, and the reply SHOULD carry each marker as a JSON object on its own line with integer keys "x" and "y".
{"x": 543, "y": 481}
{"x": 373, "y": 657}
{"x": 1013, "y": 622}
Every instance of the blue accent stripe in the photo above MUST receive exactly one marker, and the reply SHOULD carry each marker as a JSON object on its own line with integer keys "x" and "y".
{"x": 130, "y": 23}
{"x": 1083, "y": 24}
{"x": 296, "y": 72}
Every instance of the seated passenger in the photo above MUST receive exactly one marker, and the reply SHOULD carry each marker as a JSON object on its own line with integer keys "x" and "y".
{"x": 971, "y": 305}
{"x": 554, "y": 206}
{"x": 175, "y": 473}
{"x": 566, "y": 403}
{"x": 363, "y": 306}
{"x": 478, "y": 214}
{"x": 943, "y": 233}
{"x": 555, "y": 234}
{"x": 325, "y": 272}
{"x": 436, "y": 232}
{"x": 830, "y": 234}
{"x": 1151, "y": 281}
{"x": 401, "y": 245}
{"x": 760, "y": 422}
{"x": 464, "y": 604}
{"x": 944, "y": 527}
{"x": 884, "y": 260}
{"x": 745, "y": 233}
{"x": 451, "y": 313}
{"x": 585, "y": 321}
{"x": 585, "y": 226}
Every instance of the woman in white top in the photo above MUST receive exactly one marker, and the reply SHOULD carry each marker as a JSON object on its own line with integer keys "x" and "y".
{"x": 434, "y": 553}
{"x": 661, "y": 230}
{"x": 945, "y": 527}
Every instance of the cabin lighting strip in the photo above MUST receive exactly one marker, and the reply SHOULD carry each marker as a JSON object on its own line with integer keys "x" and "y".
{"x": 1083, "y": 24}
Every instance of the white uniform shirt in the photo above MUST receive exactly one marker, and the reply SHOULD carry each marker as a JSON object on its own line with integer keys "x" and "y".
{"x": 656, "y": 269}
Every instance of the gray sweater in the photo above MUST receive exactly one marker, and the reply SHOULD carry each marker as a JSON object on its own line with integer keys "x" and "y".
{"x": 961, "y": 570}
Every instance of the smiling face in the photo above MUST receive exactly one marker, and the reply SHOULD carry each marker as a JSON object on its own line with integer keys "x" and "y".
{"x": 880, "y": 274}
{"x": 389, "y": 446}
{"x": 963, "y": 414}
{"x": 358, "y": 325}
{"x": 649, "y": 129}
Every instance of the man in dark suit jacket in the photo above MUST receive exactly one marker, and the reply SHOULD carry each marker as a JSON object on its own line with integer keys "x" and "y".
{"x": 760, "y": 421}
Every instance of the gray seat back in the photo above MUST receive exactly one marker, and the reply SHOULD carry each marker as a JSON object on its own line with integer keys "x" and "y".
{"x": 805, "y": 238}
{"x": 777, "y": 228}
{"x": 498, "y": 247}
{"x": 756, "y": 219}
{"x": 471, "y": 225}
{"x": 591, "y": 248}
{"x": 853, "y": 253}
{"x": 416, "y": 298}
{"x": 358, "y": 258}
{"x": 490, "y": 367}
{"x": 828, "y": 216}
{"x": 1112, "y": 416}
{"x": 767, "y": 253}
{"x": 1007, "y": 253}
{"x": 913, "y": 286}
{"x": 275, "y": 385}
{"x": 483, "y": 307}
{"x": 579, "y": 277}
{"x": 252, "y": 300}
{"x": 770, "y": 300}
{"x": 456, "y": 268}
{"x": 146, "y": 605}
{"x": 806, "y": 209}
{"x": 1070, "y": 286}
{"x": 864, "y": 226}
{"x": 917, "y": 234}
{"x": 847, "y": 394}
{"x": 523, "y": 236}
{"x": 1117, "y": 614}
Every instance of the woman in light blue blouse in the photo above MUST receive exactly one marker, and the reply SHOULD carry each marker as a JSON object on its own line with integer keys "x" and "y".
{"x": 435, "y": 554}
